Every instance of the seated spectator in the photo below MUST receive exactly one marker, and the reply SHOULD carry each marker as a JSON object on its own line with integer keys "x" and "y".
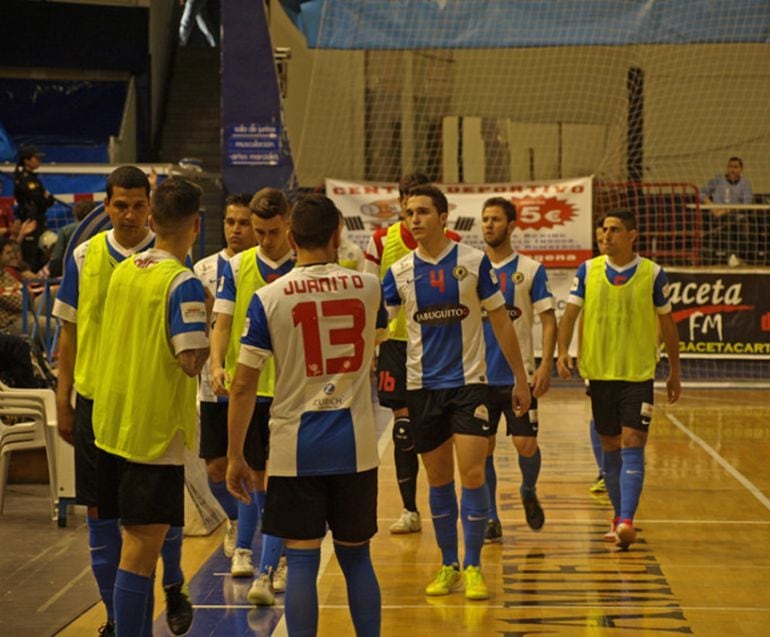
{"x": 8, "y": 220}
{"x": 80, "y": 210}
{"x": 726, "y": 230}
{"x": 11, "y": 295}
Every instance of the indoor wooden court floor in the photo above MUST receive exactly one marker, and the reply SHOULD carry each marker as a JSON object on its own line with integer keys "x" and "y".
{"x": 701, "y": 565}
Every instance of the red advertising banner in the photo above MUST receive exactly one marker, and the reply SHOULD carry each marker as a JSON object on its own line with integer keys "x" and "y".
{"x": 554, "y": 217}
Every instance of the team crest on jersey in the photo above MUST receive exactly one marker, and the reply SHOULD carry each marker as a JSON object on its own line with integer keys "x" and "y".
{"x": 517, "y": 277}
{"x": 513, "y": 312}
{"x": 460, "y": 272}
{"x": 443, "y": 314}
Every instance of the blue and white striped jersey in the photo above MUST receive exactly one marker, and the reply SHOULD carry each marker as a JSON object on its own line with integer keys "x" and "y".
{"x": 524, "y": 284}
{"x": 319, "y": 322}
{"x": 444, "y": 298}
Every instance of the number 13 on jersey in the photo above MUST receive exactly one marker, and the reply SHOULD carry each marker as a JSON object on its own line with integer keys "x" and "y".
{"x": 322, "y": 337}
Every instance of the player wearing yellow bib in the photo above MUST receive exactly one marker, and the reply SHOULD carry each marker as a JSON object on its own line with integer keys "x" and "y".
{"x": 80, "y": 307}
{"x": 144, "y": 396}
{"x": 625, "y": 298}
{"x": 247, "y": 272}
{"x": 239, "y": 236}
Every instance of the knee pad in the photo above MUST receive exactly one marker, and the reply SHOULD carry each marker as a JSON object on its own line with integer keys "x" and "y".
{"x": 402, "y": 434}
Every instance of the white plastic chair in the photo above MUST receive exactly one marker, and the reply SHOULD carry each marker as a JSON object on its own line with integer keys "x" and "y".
{"x": 36, "y": 430}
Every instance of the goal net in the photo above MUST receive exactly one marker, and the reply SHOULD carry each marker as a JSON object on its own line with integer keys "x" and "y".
{"x": 649, "y": 98}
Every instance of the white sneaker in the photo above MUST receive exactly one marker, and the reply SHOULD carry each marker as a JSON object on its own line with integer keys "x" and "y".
{"x": 409, "y": 522}
{"x": 241, "y": 565}
{"x": 261, "y": 592}
{"x": 279, "y": 577}
{"x": 231, "y": 537}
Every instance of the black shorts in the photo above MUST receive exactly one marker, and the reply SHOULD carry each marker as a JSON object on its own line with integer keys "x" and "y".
{"x": 214, "y": 434}
{"x": 500, "y": 403}
{"x": 618, "y": 403}
{"x": 86, "y": 453}
{"x": 391, "y": 374}
{"x": 438, "y": 414}
{"x": 140, "y": 493}
{"x": 299, "y": 508}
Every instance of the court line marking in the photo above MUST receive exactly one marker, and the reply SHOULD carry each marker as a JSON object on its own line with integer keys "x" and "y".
{"x": 593, "y": 606}
{"x": 64, "y": 589}
{"x": 327, "y": 546}
{"x": 748, "y": 484}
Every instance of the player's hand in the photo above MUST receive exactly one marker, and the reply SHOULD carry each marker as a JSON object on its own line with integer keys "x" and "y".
{"x": 153, "y": 179}
{"x": 220, "y": 379}
{"x": 564, "y": 365}
{"x": 520, "y": 399}
{"x": 541, "y": 380}
{"x": 65, "y": 422}
{"x": 673, "y": 389}
{"x": 240, "y": 482}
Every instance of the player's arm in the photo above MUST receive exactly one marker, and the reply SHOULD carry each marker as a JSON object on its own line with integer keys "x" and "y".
{"x": 188, "y": 323}
{"x": 255, "y": 351}
{"x": 224, "y": 306}
{"x": 65, "y": 415}
{"x": 542, "y": 376}
{"x": 670, "y": 335}
{"x": 240, "y": 409}
{"x": 509, "y": 345}
{"x": 564, "y": 363}
{"x": 220, "y": 338}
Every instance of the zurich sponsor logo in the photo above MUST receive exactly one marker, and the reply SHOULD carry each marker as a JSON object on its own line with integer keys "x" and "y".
{"x": 329, "y": 389}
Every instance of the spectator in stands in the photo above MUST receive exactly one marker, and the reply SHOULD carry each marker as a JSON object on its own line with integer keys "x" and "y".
{"x": 727, "y": 231}
{"x": 7, "y": 218}
{"x": 32, "y": 201}
{"x": 11, "y": 298}
{"x": 80, "y": 210}
{"x": 194, "y": 10}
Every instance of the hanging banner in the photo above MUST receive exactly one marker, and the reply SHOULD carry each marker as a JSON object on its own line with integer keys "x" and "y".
{"x": 553, "y": 224}
{"x": 721, "y": 314}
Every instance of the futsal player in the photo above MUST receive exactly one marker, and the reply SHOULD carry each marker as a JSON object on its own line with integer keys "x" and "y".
{"x": 319, "y": 322}
{"x": 80, "y": 307}
{"x": 387, "y": 246}
{"x": 443, "y": 287}
{"x": 247, "y": 272}
{"x": 144, "y": 396}
{"x": 625, "y": 299}
{"x": 239, "y": 236}
{"x": 524, "y": 284}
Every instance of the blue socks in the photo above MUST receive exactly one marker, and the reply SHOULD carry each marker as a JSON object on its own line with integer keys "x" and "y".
{"x": 248, "y": 520}
{"x": 301, "y": 599}
{"x": 105, "y": 543}
{"x": 131, "y": 591}
{"x": 530, "y": 470}
{"x": 364, "y": 597}
{"x": 596, "y": 444}
{"x": 227, "y": 501}
{"x": 491, "y": 481}
{"x": 443, "y": 508}
{"x": 474, "y": 504}
{"x": 150, "y": 607}
{"x": 272, "y": 547}
{"x": 631, "y": 481}
{"x": 171, "y": 552}
{"x": 611, "y": 462}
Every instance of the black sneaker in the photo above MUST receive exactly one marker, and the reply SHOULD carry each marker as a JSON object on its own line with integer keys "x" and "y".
{"x": 107, "y": 630}
{"x": 494, "y": 532}
{"x": 179, "y": 610}
{"x": 533, "y": 511}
